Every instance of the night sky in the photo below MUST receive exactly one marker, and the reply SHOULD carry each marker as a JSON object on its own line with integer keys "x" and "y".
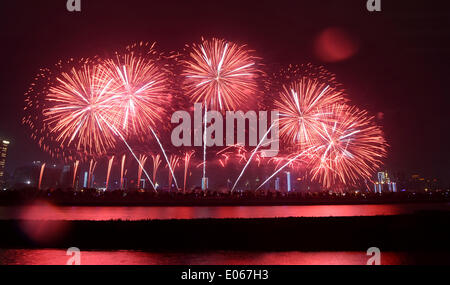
{"x": 399, "y": 73}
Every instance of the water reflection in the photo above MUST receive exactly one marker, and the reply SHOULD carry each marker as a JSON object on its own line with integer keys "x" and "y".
{"x": 45, "y": 212}
{"x": 58, "y": 257}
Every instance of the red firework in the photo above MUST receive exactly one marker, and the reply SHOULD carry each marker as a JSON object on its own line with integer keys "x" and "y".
{"x": 69, "y": 111}
{"x": 237, "y": 154}
{"x": 352, "y": 149}
{"x": 305, "y": 104}
{"x": 223, "y": 74}
{"x": 139, "y": 90}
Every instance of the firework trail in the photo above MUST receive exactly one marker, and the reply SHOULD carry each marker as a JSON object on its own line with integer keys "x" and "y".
{"x": 108, "y": 173}
{"x": 187, "y": 160}
{"x": 156, "y": 164}
{"x": 41, "y": 175}
{"x": 240, "y": 152}
{"x": 224, "y": 162}
{"x": 91, "y": 162}
{"x": 251, "y": 156}
{"x": 92, "y": 166}
{"x": 173, "y": 165}
{"x": 165, "y": 156}
{"x": 302, "y": 154}
{"x": 223, "y": 74}
{"x": 280, "y": 160}
{"x": 204, "y": 146}
{"x": 92, "y": 173}
{"x": 75, "y": 170}
{"x": 132, "y": 153}
{"x": 142, "y": 160}
{"x": 122, "y": 171}
{"x": 352, "y": 149}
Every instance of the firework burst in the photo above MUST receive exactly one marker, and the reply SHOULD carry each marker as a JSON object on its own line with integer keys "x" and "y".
{"x": 352, "y": 149}
{"x": 305, "y": 104}
{"x": 139, "y": 90}
{"x": 65, "y": 107}
{"x": 79, "y": 105}
{"x": 223, "y": 74}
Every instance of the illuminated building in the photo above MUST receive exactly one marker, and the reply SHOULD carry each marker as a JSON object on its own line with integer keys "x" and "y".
{"x": 277, "y": 184}
{"x": 204, "y": 184}
{"x": 85, "y": 180}
{"x": 288, "y": 177}
{"x": 3, "y": 151}
{"x": 384, "y": 183}
{"x": 419, "y": 183}
{"x": 383, "y": 178}
{"x": 378, "y": 187}
{"x": 142, "y": 184}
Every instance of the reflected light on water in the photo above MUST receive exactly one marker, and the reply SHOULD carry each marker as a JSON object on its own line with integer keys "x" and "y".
{"x": 46, "y": 212}
{"x": 58, "y": 257}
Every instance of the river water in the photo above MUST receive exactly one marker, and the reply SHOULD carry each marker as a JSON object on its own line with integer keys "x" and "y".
{"x": 49, "y": 212}
{"x": 127, "y": 257}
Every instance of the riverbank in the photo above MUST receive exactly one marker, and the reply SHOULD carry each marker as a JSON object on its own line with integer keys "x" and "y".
{"x": 95, "y": 198}
{"x": 423, "y": 231}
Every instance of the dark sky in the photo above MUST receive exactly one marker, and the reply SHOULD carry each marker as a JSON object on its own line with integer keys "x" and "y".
{"x": 401, "y": 68}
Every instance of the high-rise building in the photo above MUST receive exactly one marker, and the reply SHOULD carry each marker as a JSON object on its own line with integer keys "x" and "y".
{"x": 3, "y": 152}
{"x": 288, "y": 181}
{"x": 85, "y": 180}
{"x": 277, "y": 184}
{"x": 384, "y": 183}
{"x": 383, "y": 177}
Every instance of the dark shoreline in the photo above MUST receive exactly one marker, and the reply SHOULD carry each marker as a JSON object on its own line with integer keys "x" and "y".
{"x": 218, "y": 204}
{"x": 426, "y": 231}
{"x": 93, "y": 197}
{"x": 205, "y": 202}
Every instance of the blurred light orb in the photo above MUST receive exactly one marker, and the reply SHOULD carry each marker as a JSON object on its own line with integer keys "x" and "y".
{"x": 37, "y": 221}
{"x": 335, "y": 44}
